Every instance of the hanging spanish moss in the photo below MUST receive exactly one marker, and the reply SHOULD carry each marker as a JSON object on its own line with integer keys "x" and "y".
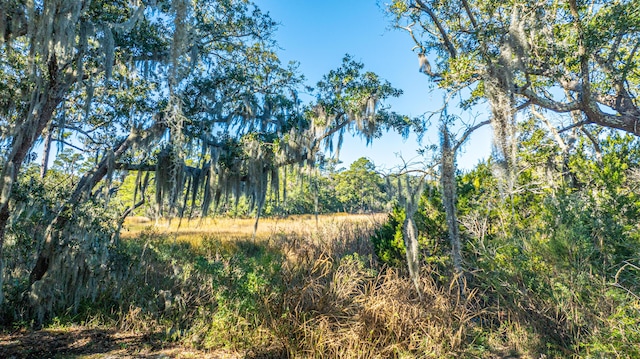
{"x": 241, "y": 169}
{"x": 77, "y": 268}
{"x": 56, "y": 38}
{"x": 44, "y": 35}
{"x": 169, "y": 180}
{"x": 500, "y": 85}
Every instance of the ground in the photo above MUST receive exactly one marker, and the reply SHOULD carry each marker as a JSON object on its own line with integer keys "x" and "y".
{"x": 92, "y": 343}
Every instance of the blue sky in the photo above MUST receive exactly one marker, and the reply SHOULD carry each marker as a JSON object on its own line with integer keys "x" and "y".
{"x": 318, "y": 34}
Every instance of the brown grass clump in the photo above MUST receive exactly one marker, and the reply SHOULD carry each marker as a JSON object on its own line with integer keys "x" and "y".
{"x": 345, "y": 310}
{"x": 339, "y": 303}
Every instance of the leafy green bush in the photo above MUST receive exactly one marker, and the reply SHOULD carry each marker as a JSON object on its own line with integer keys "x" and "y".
{"x": 388, "y": 241}
{"x": 430, "y": 220}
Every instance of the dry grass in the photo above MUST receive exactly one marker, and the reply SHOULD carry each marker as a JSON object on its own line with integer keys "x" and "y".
{"x": 347, "y": 310}
{"x": 193, "y": 231}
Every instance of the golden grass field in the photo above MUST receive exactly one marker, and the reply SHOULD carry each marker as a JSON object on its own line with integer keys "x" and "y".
{"x": 193, "y": 230}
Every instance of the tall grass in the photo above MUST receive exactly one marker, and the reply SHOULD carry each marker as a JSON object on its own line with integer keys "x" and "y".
{"x": 297, "y": 290}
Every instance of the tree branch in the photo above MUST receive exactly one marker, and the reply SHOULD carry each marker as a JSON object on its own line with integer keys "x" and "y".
{"x": 443, "y": 33}
{"x": 68, "y": 144}
{"x": 472, "y": 18}
{"x": 554, "y": 131}
{"x": 577, "y": 124}
{"x": 547, "y": 103}
{"x": 467, "y": 133}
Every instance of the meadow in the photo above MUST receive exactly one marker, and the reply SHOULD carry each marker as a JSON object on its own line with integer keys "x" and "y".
{"x": 193, "y": 230}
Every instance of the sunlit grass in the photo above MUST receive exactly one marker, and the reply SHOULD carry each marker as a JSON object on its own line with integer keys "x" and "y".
{"x": 192, "y": 231}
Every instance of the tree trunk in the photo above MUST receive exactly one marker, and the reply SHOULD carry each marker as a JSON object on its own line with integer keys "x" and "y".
{"x": 315, "y": 202}
{"x": 449, "y": 198}
{"x": 411, "y": 248}
{"x": 410, "y": 234}
{"x": 26, "y": 133}
{"x": 44, "y": 167}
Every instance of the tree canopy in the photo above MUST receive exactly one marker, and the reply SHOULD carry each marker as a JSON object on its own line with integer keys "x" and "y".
{"x": 578, "y": 58}
{"x": 360, "y": 186}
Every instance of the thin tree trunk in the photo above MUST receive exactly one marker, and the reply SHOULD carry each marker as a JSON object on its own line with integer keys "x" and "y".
{"x": 46, "y": 152}
{"x": 255, "y": 224}
{"x": 315, "y": 202}
{"x": 410, "y": 234}
{"x": 411, "y": 248}
{"x": 448, "y": 188}
{"x": 449, "y": 198}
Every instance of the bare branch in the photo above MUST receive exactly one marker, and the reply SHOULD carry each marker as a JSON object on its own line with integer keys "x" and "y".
{"x": 554, "y": 131}
{"x": 68, "y": 144}
{"x": 468, "y": 132}
{"x": 617, "y": 278}
{"x": 582, "y": 53}
{"x": 577, "y": 124}
{"x": 472, "y": 18}
{"x": 443, "y": 33}
{"x": 549, "y": 104}
{"x": 594, "y": 142}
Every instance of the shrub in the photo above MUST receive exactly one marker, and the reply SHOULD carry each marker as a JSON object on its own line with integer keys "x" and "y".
{"x": 388, "y": 240}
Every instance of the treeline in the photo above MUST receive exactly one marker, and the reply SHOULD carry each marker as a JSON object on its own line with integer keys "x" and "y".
{"x": 302, "y": 190}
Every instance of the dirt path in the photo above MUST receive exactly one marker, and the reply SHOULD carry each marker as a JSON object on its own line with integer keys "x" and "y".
{"x": 85, "y": 343}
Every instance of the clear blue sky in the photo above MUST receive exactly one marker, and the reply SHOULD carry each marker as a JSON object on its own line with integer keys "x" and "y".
{"x": 318, "y": 33}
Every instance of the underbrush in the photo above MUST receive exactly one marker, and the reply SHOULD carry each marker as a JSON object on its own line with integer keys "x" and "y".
{"x": 324, "y": 293}
{"x": 320, "y": 294}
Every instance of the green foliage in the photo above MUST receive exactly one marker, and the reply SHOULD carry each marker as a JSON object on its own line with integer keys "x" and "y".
{"x": 360, "y": 188}
{"x": 303, "y": 191}
{"x": 306, "y": 191}
{"x": 432, "y": 231}
{"x": 210, "y": 296}
{"x": 551, "y": 269}
{"x": 565, "y": 241}
{"x": 561, "y": 247}
{"x": 388, "y": 241}
{"x": 349, "y": 100}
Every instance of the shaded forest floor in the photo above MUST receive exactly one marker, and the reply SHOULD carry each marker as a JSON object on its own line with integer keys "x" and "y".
{"x": 93, "y": 343}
